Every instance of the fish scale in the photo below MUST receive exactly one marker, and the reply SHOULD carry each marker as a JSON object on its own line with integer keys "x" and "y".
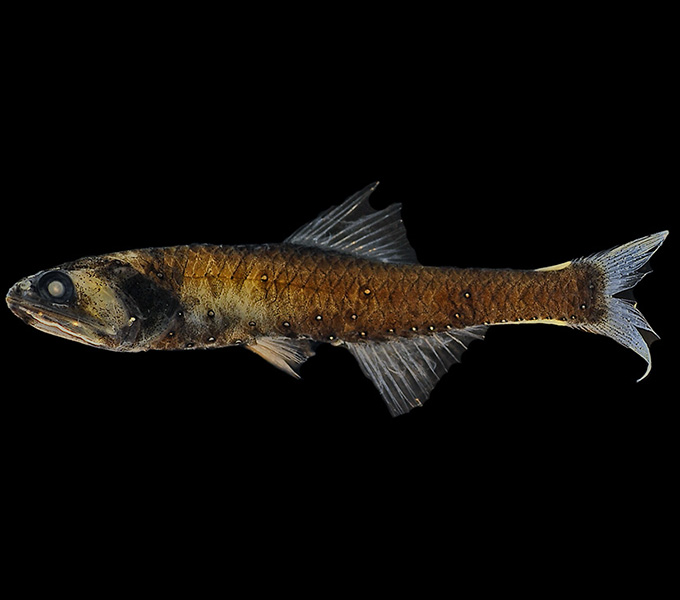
{"x": 349, "y": 278}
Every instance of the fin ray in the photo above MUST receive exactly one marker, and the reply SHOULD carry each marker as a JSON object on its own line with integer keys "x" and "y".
{"x": 284, "y": 353}
{"x": 356, "y": 228}
{"x": 621, "y": 271}
{"x": 405, "y": 371}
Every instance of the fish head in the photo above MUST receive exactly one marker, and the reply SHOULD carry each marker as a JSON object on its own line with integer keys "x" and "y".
{"x": 79, "y": 301}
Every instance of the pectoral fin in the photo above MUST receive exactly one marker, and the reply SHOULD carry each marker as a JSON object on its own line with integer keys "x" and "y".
{"x": 284, "y": 353}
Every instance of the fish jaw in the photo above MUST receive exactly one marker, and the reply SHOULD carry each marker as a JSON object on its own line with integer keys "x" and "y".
{"x": 53, "y": 323}
{"x": 65, "y": 321}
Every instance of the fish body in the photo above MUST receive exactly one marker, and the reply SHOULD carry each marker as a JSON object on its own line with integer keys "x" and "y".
{"x": 349, "y": 278}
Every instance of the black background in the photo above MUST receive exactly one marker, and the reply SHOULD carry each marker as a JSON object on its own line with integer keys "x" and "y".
{"x": 507, "y": 146}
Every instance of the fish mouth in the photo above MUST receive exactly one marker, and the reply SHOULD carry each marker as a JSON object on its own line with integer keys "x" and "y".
{"x": 49, "y": 320}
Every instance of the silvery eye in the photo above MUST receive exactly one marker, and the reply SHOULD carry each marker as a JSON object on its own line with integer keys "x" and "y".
{"x": 56, "y": 286}
{"x": 56, "y": 289}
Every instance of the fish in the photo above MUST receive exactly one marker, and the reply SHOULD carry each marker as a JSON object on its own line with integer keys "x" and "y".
{"x": 349, "y": 278}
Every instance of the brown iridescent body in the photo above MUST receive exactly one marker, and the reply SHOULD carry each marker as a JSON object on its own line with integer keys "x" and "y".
{"x": 234, "y": 294}
{"x": 348, "y": 278}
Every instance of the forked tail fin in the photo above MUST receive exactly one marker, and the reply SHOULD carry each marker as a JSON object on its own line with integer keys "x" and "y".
{"x": 622, "y": 269}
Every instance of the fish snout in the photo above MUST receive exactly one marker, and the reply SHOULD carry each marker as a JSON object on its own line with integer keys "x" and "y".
{"x": 20, "y": 293}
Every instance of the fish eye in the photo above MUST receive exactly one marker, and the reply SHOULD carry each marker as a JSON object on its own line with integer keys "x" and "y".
{"x": 56, "y": 286}
{"x": 56, "y": 289}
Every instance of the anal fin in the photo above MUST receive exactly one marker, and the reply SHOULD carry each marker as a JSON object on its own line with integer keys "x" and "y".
{"x": 406, "y": 370}
{"x": 284, "y": 353}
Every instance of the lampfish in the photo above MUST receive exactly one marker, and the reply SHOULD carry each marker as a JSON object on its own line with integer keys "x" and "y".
{"x": 348, "y": 278}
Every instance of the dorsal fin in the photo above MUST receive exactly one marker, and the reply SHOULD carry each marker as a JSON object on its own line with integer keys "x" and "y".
{"x": 356, "y": 228}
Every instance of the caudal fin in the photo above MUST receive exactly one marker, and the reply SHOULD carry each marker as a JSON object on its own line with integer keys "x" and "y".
{"x": 622, "y": 269}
